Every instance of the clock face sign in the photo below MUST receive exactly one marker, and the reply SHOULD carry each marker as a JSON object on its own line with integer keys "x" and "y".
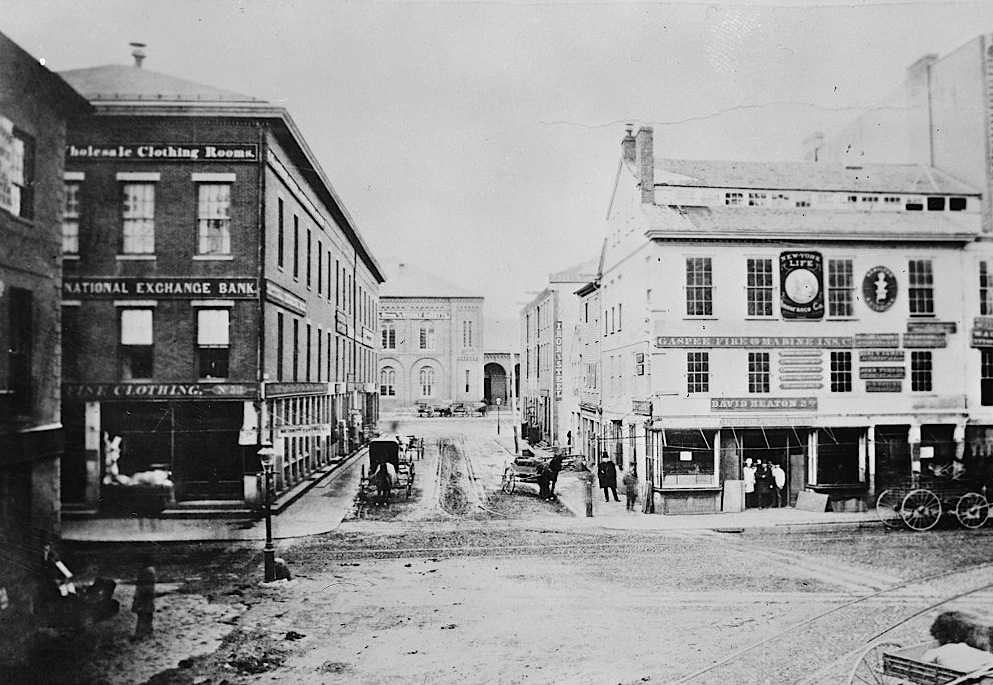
{"x": 801, "y": 278}
{"x": 879, "y": 289}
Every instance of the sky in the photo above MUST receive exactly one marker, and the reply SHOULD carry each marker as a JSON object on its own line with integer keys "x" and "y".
{"x": 480, "y": 140}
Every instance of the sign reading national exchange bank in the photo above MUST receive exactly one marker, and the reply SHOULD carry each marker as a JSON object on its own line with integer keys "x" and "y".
{"x": 160, "y": 288}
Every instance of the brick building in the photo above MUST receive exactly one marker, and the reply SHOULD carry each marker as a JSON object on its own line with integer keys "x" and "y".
{"x": 34, "y": 105}
{"x": 217, "y": 296}
{"x": 431, "y": 334}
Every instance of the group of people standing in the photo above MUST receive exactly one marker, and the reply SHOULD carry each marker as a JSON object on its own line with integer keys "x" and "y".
{"x": 607, "y": 477}
{"x": 765, "y": 484}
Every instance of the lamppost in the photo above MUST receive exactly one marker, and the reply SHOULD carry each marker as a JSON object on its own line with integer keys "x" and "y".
{"x": 268, "y": 552}
{"x": 498, "y": 415}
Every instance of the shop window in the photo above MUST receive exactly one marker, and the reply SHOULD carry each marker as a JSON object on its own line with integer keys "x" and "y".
{"x": 914, "y": 206}
{"x": 138, "y": 216}
{"x": 758, "y": 372}
{"x": 213, "y": 343}
{"x": 936, "y": 204}
{"x": 732, "y": 198}
{"x": 687, "y": 459}
{"x": 956, "y": 204}
{"x": 921, "y": 371}
{"x": 699, "y": 287}
{"x": 387, "y": 381}
{"x": 838, "y": 455}
{"x": 841, "y": 372}
{"x": 986, "y": 376}
{"x": 697, "y": 372}
{"x": 426, "y": 380}
{"x": 70, "y": 219}
{"x": 921, "y": 295}
{"x": 17, "y": 343}
{"x": 759, "y": 290}
{"x": 17, "y": 184}
{"x": 841, "y": 286}
{"x": 135, "y": 353}
{"x": 214, "y": 219}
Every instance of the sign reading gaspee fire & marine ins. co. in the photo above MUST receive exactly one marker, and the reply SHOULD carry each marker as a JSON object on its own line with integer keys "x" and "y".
{"x": 801, "y": 278}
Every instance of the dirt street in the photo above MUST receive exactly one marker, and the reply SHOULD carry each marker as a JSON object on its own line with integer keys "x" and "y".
{"x": 483, "y": 587}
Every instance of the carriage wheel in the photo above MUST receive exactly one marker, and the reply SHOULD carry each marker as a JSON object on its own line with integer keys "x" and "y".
{"x": 888, "y": 508}
{"x": 972, "y": 510}
{"x": 509, "y": 482}
{"x": 921, "y": 509}
{"x": 868, "y": 669}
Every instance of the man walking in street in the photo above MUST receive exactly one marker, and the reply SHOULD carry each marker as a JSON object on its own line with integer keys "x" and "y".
{"x": 607, "y": 475}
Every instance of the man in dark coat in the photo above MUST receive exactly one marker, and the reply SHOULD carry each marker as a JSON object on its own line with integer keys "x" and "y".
{"x": 554, "y": 466}
{"x": 144, "y": 600}
{"x": 607, "y": 475}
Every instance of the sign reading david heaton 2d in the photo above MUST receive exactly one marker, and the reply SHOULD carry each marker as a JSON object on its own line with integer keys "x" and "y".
{"x": 801, "y": 278}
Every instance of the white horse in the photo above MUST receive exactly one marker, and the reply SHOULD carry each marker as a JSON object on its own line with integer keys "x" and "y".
{"x": 385, "y": 479}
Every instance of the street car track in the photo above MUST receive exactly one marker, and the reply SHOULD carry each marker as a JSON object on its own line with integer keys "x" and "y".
{"x": 734, "y": 657}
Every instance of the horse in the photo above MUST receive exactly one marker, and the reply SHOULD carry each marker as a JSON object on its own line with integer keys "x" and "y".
{"x": 385, "y": 479}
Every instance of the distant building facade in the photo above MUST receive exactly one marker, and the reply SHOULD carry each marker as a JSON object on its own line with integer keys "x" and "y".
{"x": 34, "y": 106}
{"x": 821, "y": 316}
{"x": 431, "y": 342}
{"x": 218, "y": 297}
{"x": 586, "y": 363}
{"x": 549, "y": 392}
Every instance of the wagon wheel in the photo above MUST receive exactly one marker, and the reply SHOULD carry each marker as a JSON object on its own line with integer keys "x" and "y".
{"x": 888, "y": 508}
{"x": 972, "y": 510}
{"x": 509, "y": 482}
{"x": 921, "y": 509}
{"x": 868, "y": 669}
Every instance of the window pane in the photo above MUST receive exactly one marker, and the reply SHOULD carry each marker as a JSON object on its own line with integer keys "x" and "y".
{"x": 212, "y": 327}
{"x": 214, "y": 219}
{"x": 136, "y": 326}
{"x": 138, "y": 211}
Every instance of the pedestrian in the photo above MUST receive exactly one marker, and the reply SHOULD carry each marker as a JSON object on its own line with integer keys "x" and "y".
{"x": 748, "y": 473}
{"x": 630, "y": 481}
{"x": 779, "y": 481}
{"x": 763, "y": 484}
{"x": 554, "y": 466}
{"x": 607, "y": 475}
{"x": 144, "y": 600}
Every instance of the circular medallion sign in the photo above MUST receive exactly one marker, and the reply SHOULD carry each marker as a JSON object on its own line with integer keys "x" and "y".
{"x": 802, "y": 286}
{"x": 879, "y": 288}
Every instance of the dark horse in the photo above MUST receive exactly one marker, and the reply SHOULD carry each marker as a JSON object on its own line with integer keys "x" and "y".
{"x": 385, "y": 479}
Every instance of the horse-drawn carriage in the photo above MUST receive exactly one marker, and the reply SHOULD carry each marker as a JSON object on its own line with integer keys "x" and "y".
{"x": 919, "y": 501}
{"x": 391, "y": 466}
{"x": 889, "y": 663}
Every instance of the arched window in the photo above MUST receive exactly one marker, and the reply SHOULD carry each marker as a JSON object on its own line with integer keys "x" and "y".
{"x": 387, "y": 381}
{"x": 389, "y": 336}
{"x": 426, "y": 337}
{"x": 427, "y": 382}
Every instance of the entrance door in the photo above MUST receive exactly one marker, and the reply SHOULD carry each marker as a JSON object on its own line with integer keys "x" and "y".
{"x": 796, "y": 477}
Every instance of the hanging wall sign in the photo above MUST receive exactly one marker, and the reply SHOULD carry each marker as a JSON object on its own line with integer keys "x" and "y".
{"x": 879, "y": 289}
{"x": 801, "y": 277}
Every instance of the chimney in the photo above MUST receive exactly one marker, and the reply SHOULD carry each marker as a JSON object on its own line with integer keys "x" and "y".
{"x": 645, "y": 162}
{"x": 627, "y": 147}
{"x": 138, "y": 53}
{"x": 812, "y": 147}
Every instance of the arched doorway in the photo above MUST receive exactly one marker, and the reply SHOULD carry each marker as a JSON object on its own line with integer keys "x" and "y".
{"x": 495, "y": 384}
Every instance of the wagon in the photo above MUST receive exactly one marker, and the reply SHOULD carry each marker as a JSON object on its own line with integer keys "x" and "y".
{"x": 524, "y": 469}
{"x": 919, "y": 502}
{"x": 889, "y": 663}
{"x": 389, "y": 450}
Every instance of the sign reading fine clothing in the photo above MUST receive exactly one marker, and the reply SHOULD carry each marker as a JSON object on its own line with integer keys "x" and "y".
{"x": 763, "y": 404}
{"x": 558, "y": 360}
{"x": 180, "y": 288}
{"x": 156, "y": 152}
{"x": 112, "y": 391}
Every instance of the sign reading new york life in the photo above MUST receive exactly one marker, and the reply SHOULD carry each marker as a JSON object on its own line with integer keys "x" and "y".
{"x": 160, "y": 288}
{"x": 159, "y": 152}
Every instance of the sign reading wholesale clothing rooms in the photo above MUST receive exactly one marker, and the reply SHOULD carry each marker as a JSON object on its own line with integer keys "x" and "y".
{"x": 159, "y": 152}
{"x": 121, "y": 288}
